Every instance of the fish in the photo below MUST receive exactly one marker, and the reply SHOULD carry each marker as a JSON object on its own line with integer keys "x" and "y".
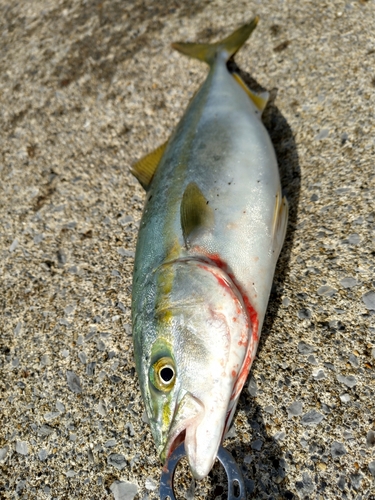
{"x": 212, "y": 228}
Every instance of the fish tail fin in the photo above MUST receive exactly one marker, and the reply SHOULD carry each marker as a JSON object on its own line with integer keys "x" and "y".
{"x": 230, "y": 45}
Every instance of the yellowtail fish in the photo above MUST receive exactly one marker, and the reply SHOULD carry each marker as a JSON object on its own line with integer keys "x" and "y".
{"x": 212, "y": 229}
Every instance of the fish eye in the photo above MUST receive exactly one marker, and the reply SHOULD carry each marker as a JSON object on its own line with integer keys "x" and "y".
{"x": 163, "y": 374}
{"x": 166, "y": 374}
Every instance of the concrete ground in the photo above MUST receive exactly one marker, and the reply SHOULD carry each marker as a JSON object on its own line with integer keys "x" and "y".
{"x": 87, "y": 88}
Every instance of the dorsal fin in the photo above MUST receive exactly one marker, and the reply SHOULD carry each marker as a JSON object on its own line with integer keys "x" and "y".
{"x": 145, "y": 168}
{"x": 207, "y": 51}
{"x": 259, "y": 100}
{"x": 195, "y": 211}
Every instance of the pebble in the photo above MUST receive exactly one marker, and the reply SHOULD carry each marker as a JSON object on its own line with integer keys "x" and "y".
{"x": 42, "y": 454}
{"x": 38, "y": 238}
{"x": 82, "y": 357}
{"x": 45, "y": 430}
{"x": 60, "y": 407}
{"x": 252, "y": 387}
{"x": 304, "y": 313}
{"x": 150, "y": 484}
{"x": 313, "y": 417}
{"x": 18, "y": 328}
{"x": 270, "y": 409}
{"x": 370, "y": 439}
{"x": 232, "y": 433}
{"x": 348, "y": 282}
{"x": 100, "y": 345}
{"x": 347, "y": 434}
{"x": 190, "y": 492}
{"x": 322, "y": 134}
{"x": 345, "y": 398}
{"x": 341, "y": 482}
{"x": 145, "y": 418}
{"x": 110, "y": 443}
{"x": 70, "y": 473}
{"x": 295, "y": 409}
{"x": 353, "y": 360}
{"x": 102, "y": 409}
{"x": 286, "y": 301}
{"x": 349, "y": 381}
{"x": 4, "y": 452}
{"x": 371, "y": 467}
{"x": 20, "y": 486}
{"x": 305, "y": 487}
{"x": 45, "y": 360}
{"x": 312, "y": 360}
{"x": 90, "y": 368}
{"x": 369, "y": 300}
{"x": 61, "y": 257}
{"x": 22, "y": 447}
{"x": 326, "y": 291}
{"x": 319, "y": 374}
{"x": 51, "y": 415}
{"x": 74, "y": 383}
{"x": 305, "y": 349}
{"x": 257, "y": 445}
{"x": 356, "y": 480}
{"x": 130, "y": 428}
{"x": 122, "y": 490}
{"x": 330, "y": 366}
{"x": 354, "y": 239}
{"x": 14, "y": 245}
{"x": 279, "y": 436}
{"x": 337, "y": 449}
{"x": 117, "y": 460}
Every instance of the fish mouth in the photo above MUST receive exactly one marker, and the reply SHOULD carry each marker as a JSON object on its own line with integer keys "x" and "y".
{"x": 196, "y": 427}
{"x": 188, "y": 414}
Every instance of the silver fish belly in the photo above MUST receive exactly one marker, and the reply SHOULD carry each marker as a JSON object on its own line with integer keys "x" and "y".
{"x": 212, "y": 229}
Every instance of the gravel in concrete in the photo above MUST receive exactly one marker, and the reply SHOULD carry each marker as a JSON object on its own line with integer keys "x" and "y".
{"x": 86, "y": 89}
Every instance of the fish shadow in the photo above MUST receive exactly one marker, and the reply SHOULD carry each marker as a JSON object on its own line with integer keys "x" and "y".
{"x": 263, "y": 461}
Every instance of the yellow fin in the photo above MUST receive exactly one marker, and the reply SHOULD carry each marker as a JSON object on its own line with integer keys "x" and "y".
{"x": 195, "y": 211}
{"x": 259, "y": 100}
{"x": 145, "y": 168}
{"x": 207, "y": 51}
{"x": 280, "y": 222}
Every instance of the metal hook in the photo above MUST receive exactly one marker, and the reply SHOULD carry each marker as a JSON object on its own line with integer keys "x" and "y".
{"x": 236, "y": 484}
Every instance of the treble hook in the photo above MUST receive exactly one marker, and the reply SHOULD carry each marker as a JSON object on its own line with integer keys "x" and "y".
{"x": 236, "y": 484}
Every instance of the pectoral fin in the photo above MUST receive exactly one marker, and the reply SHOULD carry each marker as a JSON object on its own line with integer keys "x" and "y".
{"x": 145, "y": 168}
{"x": 259, "y": 100}
{"x": 280, "y": 222}
{"x": 195, "y": 212}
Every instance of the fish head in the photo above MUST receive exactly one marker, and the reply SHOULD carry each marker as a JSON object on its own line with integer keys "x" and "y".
{"x": 190, "y": 367}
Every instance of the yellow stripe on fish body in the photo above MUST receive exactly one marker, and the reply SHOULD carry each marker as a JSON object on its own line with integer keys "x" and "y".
{"x": 210, "y": 235}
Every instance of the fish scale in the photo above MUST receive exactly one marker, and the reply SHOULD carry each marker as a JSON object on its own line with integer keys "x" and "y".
{"x": 212, "y": 228}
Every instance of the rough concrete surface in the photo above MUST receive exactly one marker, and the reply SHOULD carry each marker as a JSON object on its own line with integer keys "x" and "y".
{"x": 88, "y": 87}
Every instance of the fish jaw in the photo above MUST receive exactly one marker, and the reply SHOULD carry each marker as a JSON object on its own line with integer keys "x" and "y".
{"x": 202, "y": 443}
{"x": 187, "y": 417}
{"x": 201, "y": 431}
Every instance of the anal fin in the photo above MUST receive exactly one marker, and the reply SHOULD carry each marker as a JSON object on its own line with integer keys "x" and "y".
{"x": 195, "y": 212}
{"x": 259, "y": 100}
{"x": 145, "y": 168}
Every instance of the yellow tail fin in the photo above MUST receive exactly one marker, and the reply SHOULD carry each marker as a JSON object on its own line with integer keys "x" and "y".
{"x": 207, "y": 51}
